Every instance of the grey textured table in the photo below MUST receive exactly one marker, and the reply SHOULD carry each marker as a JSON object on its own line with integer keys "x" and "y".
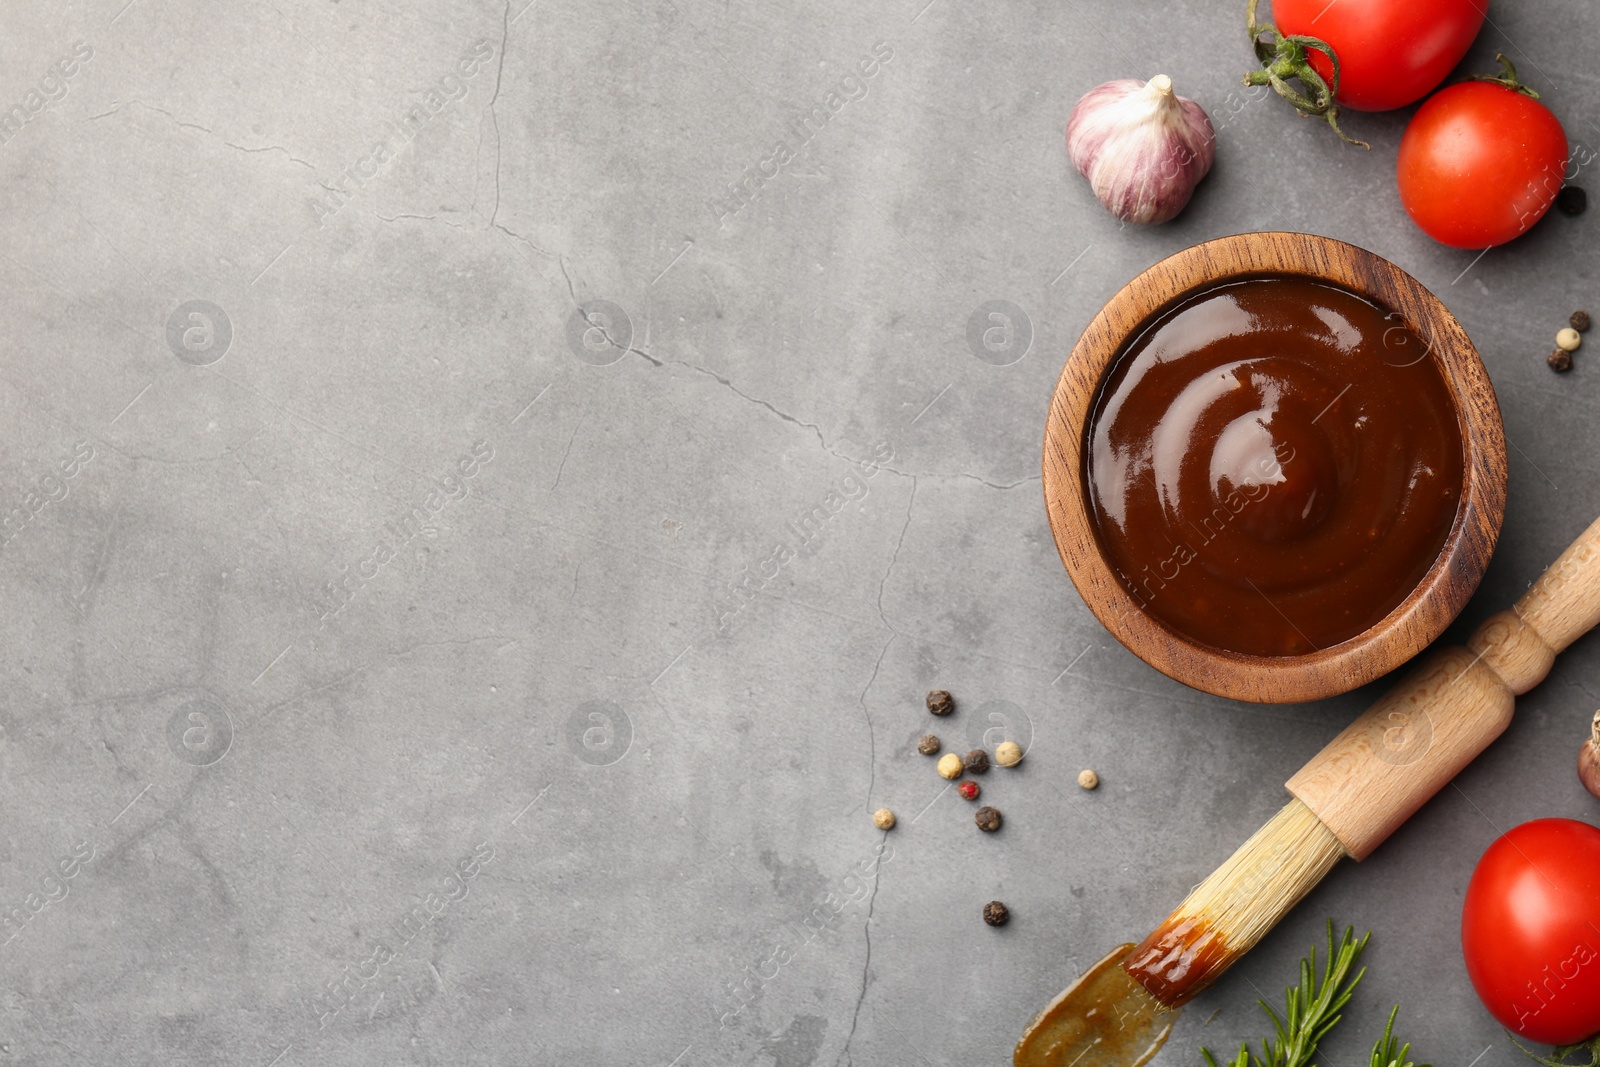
{"x": 412, "y": 668}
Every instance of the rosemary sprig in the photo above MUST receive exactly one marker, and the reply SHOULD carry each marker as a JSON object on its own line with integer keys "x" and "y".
{"x": 1384, "y": 1054}
{"x": 1311, "y": 1010}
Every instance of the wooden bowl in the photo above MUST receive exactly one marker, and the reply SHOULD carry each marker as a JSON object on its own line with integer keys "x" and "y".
{"x": 1444, "y": 589}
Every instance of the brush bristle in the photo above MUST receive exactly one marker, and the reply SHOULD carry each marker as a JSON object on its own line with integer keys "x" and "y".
{"x": 1225, "y": 915}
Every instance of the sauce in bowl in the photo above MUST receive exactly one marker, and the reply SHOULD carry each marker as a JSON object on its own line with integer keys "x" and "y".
{"x": 1273, "y": 465}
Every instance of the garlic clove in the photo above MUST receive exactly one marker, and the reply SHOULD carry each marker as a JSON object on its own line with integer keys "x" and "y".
{"x": 1143, "y": 147}
{"x": 1589, "y": 759}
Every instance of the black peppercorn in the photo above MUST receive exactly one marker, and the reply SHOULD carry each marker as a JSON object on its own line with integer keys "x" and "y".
{"x": 1560, "y": 360}
{"x": 988, "y": 819}
{"x": 941, "y": 702}
{"x": 1572, "y": 200}
{"x": 996, "y": 913}
{"x": 929, "y": 745}
{"x": 977, "y": 761}
{"x": 1579, "y": 321}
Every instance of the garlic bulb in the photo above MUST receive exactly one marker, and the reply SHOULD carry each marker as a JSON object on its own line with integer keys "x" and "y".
{"x": 1143, "y": 147}
{"x": 1589, "y": 759}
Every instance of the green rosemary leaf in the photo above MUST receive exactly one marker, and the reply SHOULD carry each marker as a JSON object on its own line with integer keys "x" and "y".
{"x": 1384, "y": 1053}
{"x": 1311, "y": 1009}
{"x": 1241, "y": 1060}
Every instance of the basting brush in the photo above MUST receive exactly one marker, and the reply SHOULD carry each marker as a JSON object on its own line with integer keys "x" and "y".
{"x": 1373, "y": 776}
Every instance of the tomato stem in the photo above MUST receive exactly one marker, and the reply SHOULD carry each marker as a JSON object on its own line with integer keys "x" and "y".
{"x": 1506, "y": 79}
{"x": 1562, "y": 1053}
{"x": 1285, "y": 59}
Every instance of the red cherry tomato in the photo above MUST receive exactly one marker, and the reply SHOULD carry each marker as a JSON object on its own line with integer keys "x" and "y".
{"x": 1479, "y": 164}
{"x": 1530, "y": 930}
{"x": 1391, "y": 52}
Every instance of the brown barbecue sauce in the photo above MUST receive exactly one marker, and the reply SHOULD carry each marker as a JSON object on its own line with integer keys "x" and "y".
{"x": 1104, "y": 1019}
{"x": 1273, "y": 465}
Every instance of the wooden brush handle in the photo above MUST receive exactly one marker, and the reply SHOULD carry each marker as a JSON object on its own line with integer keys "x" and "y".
{"x": 1446, "y": 710}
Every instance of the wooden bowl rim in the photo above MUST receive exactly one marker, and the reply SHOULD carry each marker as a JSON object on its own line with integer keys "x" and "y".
{"x": 1443, "y": 591}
